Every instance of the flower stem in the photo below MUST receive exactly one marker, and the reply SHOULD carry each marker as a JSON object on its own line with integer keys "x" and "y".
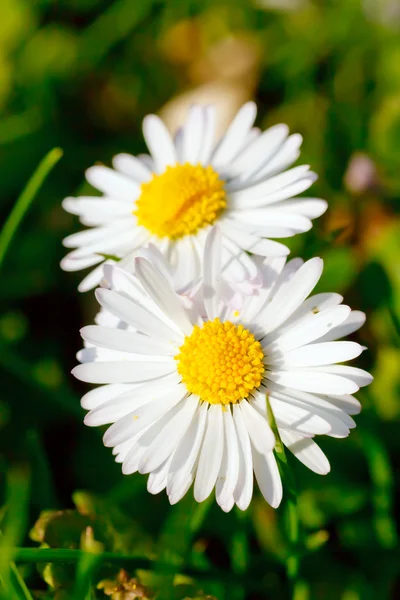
{"x": 291, "y": 517}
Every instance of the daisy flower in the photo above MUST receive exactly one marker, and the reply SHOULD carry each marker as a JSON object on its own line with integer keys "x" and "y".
{"x": 185, "y": 390}
{"x": 187, "y": 184}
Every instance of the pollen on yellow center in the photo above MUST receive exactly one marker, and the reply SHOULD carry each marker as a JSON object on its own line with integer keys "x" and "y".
{"x": 220, "y": 362}
{"x": 180, "y": 201}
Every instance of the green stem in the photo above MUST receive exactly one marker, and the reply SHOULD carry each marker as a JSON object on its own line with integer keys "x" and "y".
{"x": 291, "y": 512}
{"x": 25, "y": 199}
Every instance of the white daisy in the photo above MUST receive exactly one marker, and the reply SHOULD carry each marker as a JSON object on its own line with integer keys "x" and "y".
{"x": 185, "y": 391}
{"x": 172, "y": 197}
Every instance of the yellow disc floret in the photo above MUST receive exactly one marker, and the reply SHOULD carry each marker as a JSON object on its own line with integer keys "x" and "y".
{"x": 180, "y": 201}
{"x": 220, "y": 362}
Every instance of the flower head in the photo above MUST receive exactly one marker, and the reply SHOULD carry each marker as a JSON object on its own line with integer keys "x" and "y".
{"x": 185, "y": 389}
{"x": 188, "y": 184}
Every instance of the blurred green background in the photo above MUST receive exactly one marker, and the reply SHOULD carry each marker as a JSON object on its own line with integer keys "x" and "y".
{"x": 81, "y": 75}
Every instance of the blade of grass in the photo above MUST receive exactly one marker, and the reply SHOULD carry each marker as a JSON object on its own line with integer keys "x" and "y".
{"x": 25, "y": 199}
{"x": 87, "y": 565}
{"x": 184, "y": 520}
{"x": 17, "y": 497}
{"x": 383, "y": 482}
{"x": 18, "y": 583}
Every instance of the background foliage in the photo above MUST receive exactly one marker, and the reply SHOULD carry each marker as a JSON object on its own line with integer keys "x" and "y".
{"x": 80, "y": 75}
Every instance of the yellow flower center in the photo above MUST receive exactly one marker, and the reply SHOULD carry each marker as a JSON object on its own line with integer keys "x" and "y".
{"x": 220, "y": 362}
{"x": 180, "y": 201}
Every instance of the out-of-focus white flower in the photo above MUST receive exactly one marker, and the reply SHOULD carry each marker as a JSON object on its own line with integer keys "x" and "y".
{"x": 188, "y": 184}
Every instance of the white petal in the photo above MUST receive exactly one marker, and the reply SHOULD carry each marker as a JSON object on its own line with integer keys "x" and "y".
{"x": 122, "y": 450}
{"x": 314, "y": 355}
{"x": 91, "y": 238}
{"x": 286, "y": 155}
{"x": 168, "y": 439}
{"x": 122, "y": 372}
{"x": 132, "y": 166}
{"x": 260, "y": 194}
{"x": 116, "y": 408}
{"x": 148, "y": 161}
{"x": 126, "y": 341}
{"x": 135, "y": 315}
{"x": 323, "y": 402}
{"x": 112, "y": 183}
{"x": 252, "y": 242}
{"x": 141, "y": 441}
{"x": 210, "y": 454}
{"x": 193, "y": 135}
{"x": 159, "y": 142}
{"x": 212, "y": 272}
{"x": 158, "y": 260}
{"x": 306, "y": 331}
{"x": 347, "y": 403}
{"x": 307, "y": 451}
{"x": 209, "y": 134}
{"x": 258, "y": 153}
{"x": 102, "y": 394}
{"x": 339, "y": 423}
{"x": 143, "y": 416}
{"x": 314, "y": 305}
{"x": 271, "y": 269}
{"x": 267, "y": 476}
{"x": 185, "y": 262}
{"x": 157, "y": 480}
{"x": 97, "y": 211}
{"x": 260, "y": 229}
{"x": 229, "y": 471}
{"x": 127, "y": 400}
{"x": 244, "y": 488}
{"x": 261, "y": 218}
{"x": 178, "y": 141}
{"x": 177, "y": 495}
{"x": 258, "y": 427}
{"x": 236, "y": 133}
{"x": 240, "y": 266}
{"x": 71, "y": 262}
{"x": 287, "y": 300}
{"x": 187, "y": 452}
{"x": 354, "y": 321}
{"x": 309, "y": 207}
{"x": 319, "y": 382}
{"x": 228, "y": 505}
{"x": 359, "y": 377}
{"x": 120, "y": 280}
{"x": 301, "y": 418}
{"x": 161, "y": 292}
